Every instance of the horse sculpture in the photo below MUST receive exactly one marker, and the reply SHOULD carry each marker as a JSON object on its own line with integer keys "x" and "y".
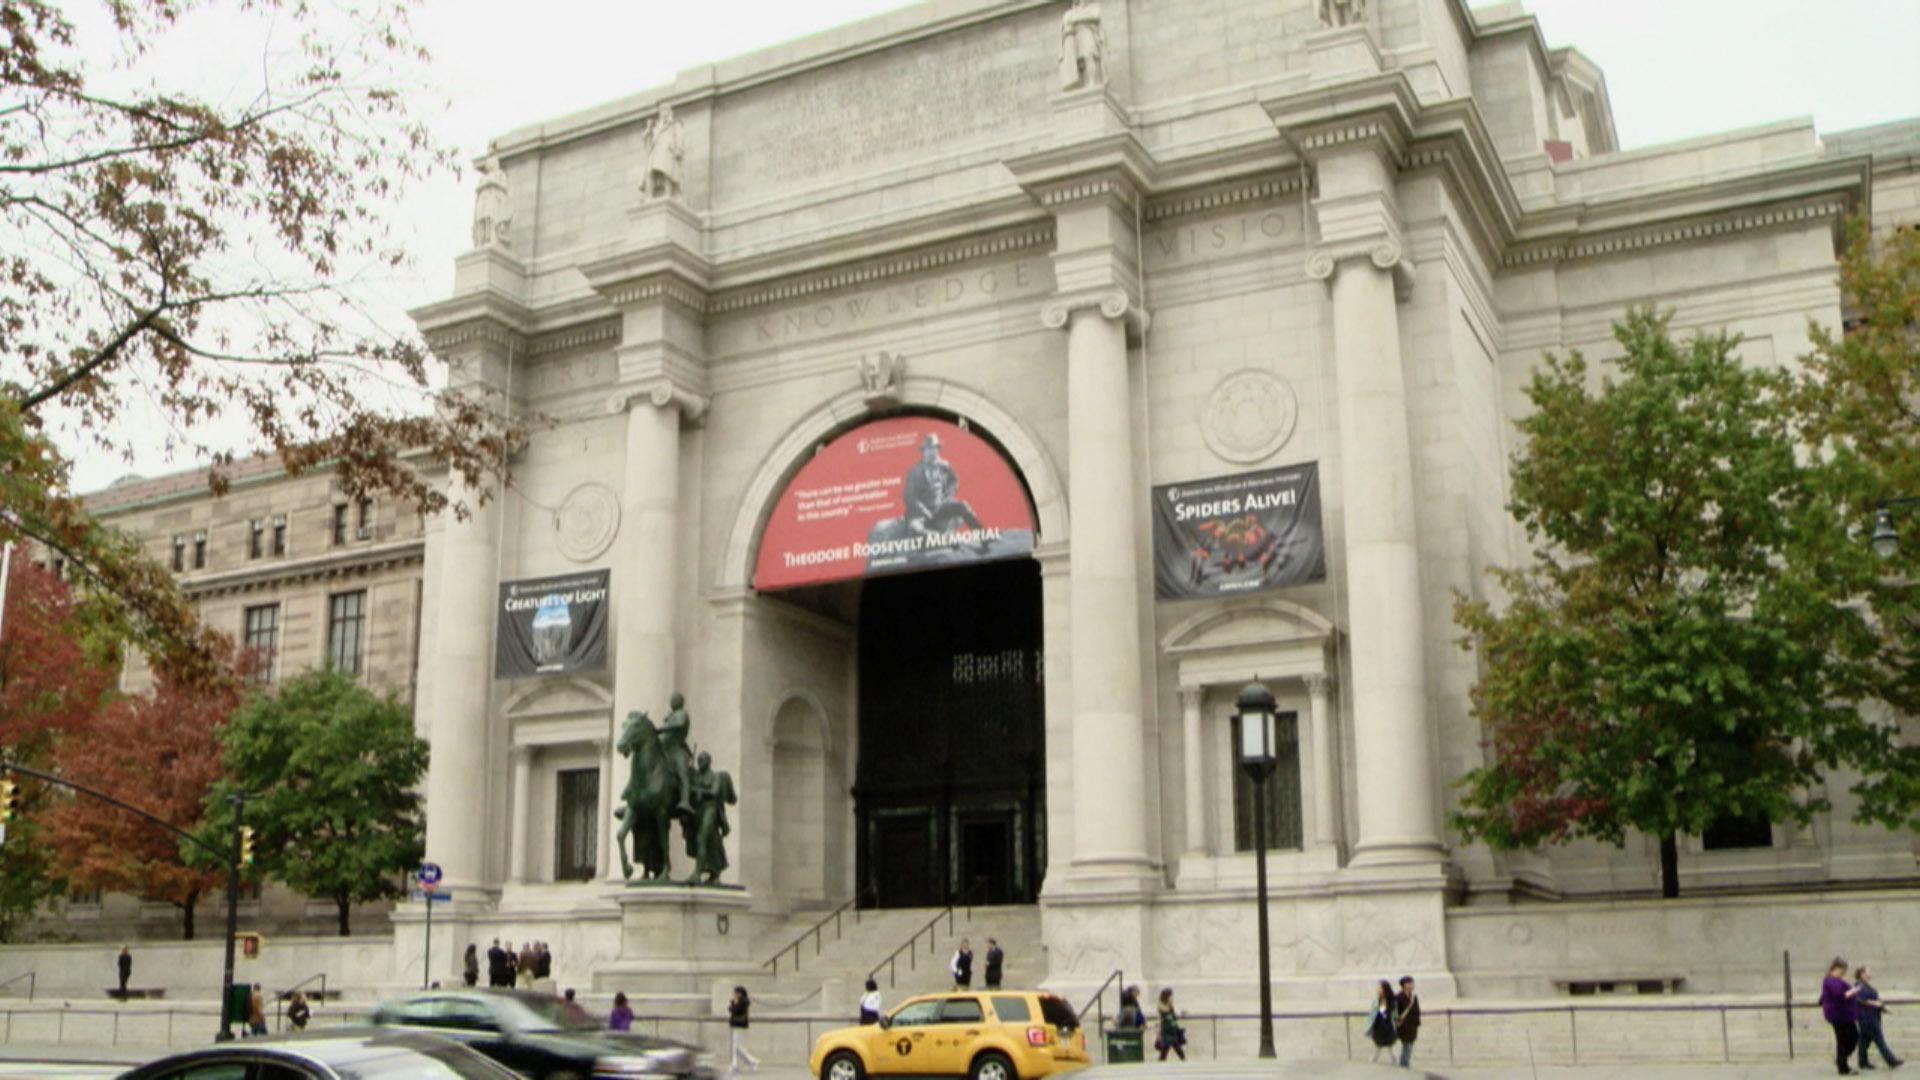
{"x": 649, "y": 801}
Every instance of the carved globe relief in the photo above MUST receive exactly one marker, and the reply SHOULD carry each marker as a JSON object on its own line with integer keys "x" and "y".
{"x": 1249, "y": 416}
{"x": 588, "y": 519}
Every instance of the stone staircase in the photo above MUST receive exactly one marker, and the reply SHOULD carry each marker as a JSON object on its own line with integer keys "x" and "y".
{"x": 831, "y": 979}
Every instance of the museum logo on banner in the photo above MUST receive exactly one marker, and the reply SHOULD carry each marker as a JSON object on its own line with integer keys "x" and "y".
{"x": 552, "y": 626}
{"x": 891, "y": 497}
{"x": 1231, "y": 535}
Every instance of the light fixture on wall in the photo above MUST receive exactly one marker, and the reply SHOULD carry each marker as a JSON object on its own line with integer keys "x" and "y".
{"x": 1257, "y": 717}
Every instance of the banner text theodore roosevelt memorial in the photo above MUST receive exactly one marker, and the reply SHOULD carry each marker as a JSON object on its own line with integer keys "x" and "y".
{"x": 893, "y": 496}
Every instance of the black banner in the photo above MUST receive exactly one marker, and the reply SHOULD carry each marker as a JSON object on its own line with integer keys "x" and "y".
{"x": 1238, "y": 534}
{"x": 552, "y": 626}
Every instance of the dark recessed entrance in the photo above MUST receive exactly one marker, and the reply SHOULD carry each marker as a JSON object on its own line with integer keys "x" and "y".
{"x": 950, "y": 796}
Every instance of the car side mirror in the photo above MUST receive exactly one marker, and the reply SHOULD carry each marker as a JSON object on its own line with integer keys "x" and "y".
{"x": 885, "y": 1021}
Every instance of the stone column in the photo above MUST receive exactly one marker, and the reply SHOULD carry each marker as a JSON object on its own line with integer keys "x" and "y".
{"x": 602, "y": 752}
{"x": 1365, "y": 262}
{"x": 1326, "y": 831}
{"x": 1195, "y": 751}
{"x": 522, "y": 808}
{"x": 458, "y": 727}
{"x": 1109, "y": 761}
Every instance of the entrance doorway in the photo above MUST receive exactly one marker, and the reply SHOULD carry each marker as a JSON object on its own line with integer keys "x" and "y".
{"x": 950, "y": 793}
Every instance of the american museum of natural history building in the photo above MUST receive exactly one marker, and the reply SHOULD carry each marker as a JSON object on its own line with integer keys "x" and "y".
{"x": 960, "y": 407}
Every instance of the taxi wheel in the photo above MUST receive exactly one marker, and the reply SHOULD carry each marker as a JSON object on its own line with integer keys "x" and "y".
{"x": 842, "y": 1065}
{"x": 991, "y": 1066}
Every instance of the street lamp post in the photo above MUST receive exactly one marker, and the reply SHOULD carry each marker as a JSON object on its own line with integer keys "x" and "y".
{"x": 227, "y": 1018}
{"x": 1256, "y": 713}
{"x": 1886, "y": 538}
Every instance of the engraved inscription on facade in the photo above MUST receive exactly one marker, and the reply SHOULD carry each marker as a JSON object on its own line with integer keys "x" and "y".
{"x": 909, "y": 299}
{"x": 563, "y": 376}
{"x": 890, "y": 107}
{"x": 1189, "y": 240}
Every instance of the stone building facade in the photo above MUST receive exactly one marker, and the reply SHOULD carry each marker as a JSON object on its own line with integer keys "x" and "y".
{"x": 292, "y": 567}
{"x": 1127, "y": 245}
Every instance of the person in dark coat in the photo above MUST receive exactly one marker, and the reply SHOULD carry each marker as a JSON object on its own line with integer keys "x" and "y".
{"x": 1406, "y": 1018}
{"x": 470, "y": 965}
{"x": 1867, "y": 1005}
{"x": 543, "y": 962}
{"x": 995, "y": 960}
{"x": 738, "y": 1020}
{"x": 299, "y": 1012}
{"x": 1380, "y": 1021}
{"x": 961, "y": 966}
{"x": 496, "y": 965}
{"x": 126, "y": 970}
{"x": 1131, "y": 1014}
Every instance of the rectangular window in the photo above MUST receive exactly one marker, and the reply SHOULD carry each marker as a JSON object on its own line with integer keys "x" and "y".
{"x": 179, "y": 553}
{"x": 256, "y": 535}
{"x": 346, "y": 629}
{"x": 261, "y": 634}
{"x": 577, "y": 817}
{"x": 339, "y": 524}
{"x": 364, "y": 529}
{"x": 1282, "y": 793}
{"x": 200, "y": 550}
{"x": 280, "y": 534}
{"x": 1735, "y": 833}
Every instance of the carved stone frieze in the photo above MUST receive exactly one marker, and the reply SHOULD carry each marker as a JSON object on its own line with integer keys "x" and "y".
{"x": 1249, "y": 416}
{"x": 587, "y": 521}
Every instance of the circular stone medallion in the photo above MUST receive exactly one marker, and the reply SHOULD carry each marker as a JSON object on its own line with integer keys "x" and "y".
{"x": 1249, "y": 416}
{"x": 588, "y": 519}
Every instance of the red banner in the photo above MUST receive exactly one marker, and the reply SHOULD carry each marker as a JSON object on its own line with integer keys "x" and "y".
{"x": 891, "y": 497}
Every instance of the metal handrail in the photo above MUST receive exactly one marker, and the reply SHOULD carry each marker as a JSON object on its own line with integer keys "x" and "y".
{"x": 965, "y": 899}
{"x": 28, "y": 976}
{"x": 833, "y": 917}
{"x": 1118, "y": 976}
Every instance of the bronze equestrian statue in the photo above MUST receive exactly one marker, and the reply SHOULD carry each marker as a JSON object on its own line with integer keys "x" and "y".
{"x": 663, "y": 786}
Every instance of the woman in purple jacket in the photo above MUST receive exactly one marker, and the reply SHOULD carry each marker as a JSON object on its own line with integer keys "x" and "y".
{"x": 1836, "y": 1004}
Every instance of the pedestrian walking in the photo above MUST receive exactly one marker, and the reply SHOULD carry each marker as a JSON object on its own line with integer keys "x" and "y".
{"x": 870, "y": 1004}
{"x": 510, "y": 972}
{"x": 1406, "y": 1018}
{"x": 298, "y": 1013}
{"x": 961, "y": 966}
{"x": 256, "y": 1012}
{"x": 995, "y": 961}
{"x": 543, "y": 962}
{"x": 1836, "y": 1004}
{"x": 470, "y": 966}
{"x": 1867, "y": 1005}
{"x": 1172, "y": 1036}
{"x": 621, "y": 1018}
{"x": 496, "y": 964}
{"x": 125, "y": 963}
{"x": 529, "y": 966}
{"x": 1132, "y": 1016}
{"x": 737, "y": 1022}
{"x": 1380, "y": 1021}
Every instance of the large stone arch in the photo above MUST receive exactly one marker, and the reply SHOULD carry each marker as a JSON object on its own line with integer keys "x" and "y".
{"x": 787, "y": 455}
{"x": 813, "y": 820}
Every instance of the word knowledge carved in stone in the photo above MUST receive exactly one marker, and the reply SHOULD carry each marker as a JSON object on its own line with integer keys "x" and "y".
{"x": 1249, "y": 416}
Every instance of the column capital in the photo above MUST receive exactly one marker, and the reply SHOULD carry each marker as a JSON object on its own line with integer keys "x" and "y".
{"x": 1384, "y": 252}
{"x": 1113, "y": 303}
{"x": 1319, "y": 683}
{"x": 600, "y": 744}
{"x": 1190, "y": 696}
{"x": 660, "y": 393}
{"x": 522, "y": 753}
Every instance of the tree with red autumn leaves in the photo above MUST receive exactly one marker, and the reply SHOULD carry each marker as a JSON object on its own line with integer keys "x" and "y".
{"x": 159, "y": 751}
{"x": 49, "y": 683}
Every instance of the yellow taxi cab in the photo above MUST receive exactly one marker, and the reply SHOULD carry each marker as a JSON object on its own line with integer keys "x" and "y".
{"x": 983, "y": 1035}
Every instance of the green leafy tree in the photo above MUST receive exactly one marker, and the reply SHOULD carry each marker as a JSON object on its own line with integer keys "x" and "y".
{"x": 331, "y": 772}
{"x": 192, "y": 254}
{"x": 1681, "y": 651}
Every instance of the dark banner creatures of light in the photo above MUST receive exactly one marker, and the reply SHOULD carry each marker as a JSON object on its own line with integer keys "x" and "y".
{"x": 890, "y": 497}
{"x": 1238, "y": 534}
{"x": 552, "y": 626}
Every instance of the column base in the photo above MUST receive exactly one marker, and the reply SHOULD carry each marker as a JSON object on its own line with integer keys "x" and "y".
{"x": 1121, "y": 876}
{"x": 1397, "y": 851}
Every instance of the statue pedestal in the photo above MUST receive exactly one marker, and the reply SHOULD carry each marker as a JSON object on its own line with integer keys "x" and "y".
{"x": 680, "y": 938}
{"x": 1343, "y": 52}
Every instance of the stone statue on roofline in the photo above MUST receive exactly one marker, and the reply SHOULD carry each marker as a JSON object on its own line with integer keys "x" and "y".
{"x": 666, "y": 151}
{"x": 490, "y": 215}
{"x": 1083, "y": 47}
{"x": 1338, "y": 13}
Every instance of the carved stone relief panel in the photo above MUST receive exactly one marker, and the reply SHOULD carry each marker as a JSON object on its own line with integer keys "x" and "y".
{"x": 1249, "y": 416}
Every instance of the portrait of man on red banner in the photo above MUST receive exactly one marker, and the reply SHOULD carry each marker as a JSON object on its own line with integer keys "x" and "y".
{"x": 895, "y": 496}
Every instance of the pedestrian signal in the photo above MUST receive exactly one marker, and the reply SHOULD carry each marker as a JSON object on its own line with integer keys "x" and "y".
{"x": 9, "y": 800}
{"x": 246, "y": 845}
{"x": 250, "y": 945}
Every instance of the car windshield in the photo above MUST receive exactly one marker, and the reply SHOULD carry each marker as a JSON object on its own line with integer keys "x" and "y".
{"x": 540, "y": 1012}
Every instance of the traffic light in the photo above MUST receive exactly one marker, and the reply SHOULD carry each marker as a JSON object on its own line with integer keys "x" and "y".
{"x": 246, "y": 845}
{"x": 9, "y": 800}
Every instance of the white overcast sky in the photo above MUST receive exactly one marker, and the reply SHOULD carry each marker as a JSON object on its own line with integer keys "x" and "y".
{"x": 1675, "y": 69}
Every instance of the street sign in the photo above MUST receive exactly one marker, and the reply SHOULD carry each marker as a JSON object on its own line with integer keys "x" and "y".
{"x": 432, "y": 897}
{"x": 429, "y": 873}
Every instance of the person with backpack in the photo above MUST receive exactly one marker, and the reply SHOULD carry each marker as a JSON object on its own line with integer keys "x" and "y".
{"x": 1380, "y": 1021}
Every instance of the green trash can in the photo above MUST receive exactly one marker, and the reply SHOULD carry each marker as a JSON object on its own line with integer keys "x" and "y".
{"x": 237, "y": 1000}
{"x": 1126, "y": 1045}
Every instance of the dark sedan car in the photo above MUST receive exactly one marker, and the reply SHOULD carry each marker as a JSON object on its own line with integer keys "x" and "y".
{"x": 335, "y": 1054}
{"x": 541, "y": 1036}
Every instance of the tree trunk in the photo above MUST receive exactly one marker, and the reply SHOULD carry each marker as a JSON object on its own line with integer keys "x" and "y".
{"x": 186, "y": 915}
{"x": 1669, "y": 865}
{"x": 345, "y": 906}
